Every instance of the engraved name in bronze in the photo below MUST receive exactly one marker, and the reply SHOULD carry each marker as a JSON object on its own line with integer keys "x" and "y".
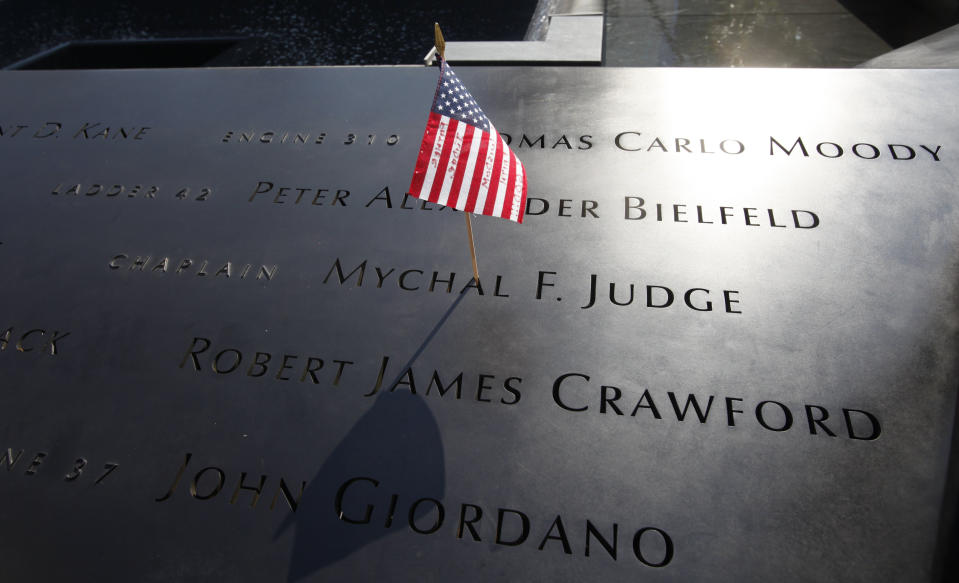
{"x": 127, "y": 191}
{"x": 208, "y": 482}
{"x": 365, "y": 501}
{"x": 77, "y": 470}
{"x": 77, "y": 131}
{"x": 36, "y": 340}
{"x": 185, "y": 266}
{"x": 308, "y": 138}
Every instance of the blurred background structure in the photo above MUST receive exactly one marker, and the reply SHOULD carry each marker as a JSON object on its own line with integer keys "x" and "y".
{"x": 635, "y": 33}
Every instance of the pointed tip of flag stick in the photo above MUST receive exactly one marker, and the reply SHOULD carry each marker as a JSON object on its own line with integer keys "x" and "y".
{"x": 439, "y": 43}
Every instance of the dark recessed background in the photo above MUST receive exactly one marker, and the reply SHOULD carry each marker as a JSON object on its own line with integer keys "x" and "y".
{"x": 900, "y": 22}
{"x": 247, "y": 32}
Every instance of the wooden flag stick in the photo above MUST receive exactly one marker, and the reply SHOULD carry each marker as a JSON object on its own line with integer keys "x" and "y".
{"x": 469, "y": 231}
{"x": 440, "y": 45}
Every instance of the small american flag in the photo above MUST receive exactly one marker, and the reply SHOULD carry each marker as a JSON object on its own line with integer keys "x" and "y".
{"x": 463, "y": 162}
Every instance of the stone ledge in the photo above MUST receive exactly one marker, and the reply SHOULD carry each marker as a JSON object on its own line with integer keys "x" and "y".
{"x": 575, "y": 39}
{"x": 936, "y": 51}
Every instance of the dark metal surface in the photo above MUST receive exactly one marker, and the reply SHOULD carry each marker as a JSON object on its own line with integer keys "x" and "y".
{"x": 832, "y": 290}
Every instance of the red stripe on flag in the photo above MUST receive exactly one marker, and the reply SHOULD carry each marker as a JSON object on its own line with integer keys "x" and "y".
{"x": 461, "y": 166}
{"x": 423, "y": 159}
{"x": 477, "y": 177}
{"x": 494, "y": 182}
{"x": 522, "y": 201}
{"x": 444, "y": 160}
{"x": 493, "y": 146}
{"x": 508, "y": 187}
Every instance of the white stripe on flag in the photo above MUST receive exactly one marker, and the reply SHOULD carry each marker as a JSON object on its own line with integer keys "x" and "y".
{"x": 502, "y": 189}
{"x": 438, "y": 142}
{"x": 517, "y": 193}
{"x": 452, "y": 163}
{"x": 491, "y": 147}
{"x": 474, "y": 148}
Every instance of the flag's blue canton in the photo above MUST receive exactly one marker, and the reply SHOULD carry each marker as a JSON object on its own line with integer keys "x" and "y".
{"x": 453, "y": 100}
